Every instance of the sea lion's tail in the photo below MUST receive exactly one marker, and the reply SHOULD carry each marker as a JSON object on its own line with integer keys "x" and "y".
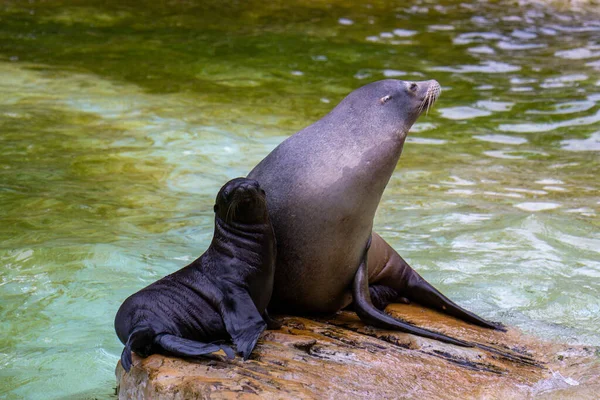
{"x": 144, "y": 341}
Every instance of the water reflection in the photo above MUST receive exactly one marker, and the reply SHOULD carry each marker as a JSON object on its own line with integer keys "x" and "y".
{"x": 488, "y": 67}
{"x": 545, "y": 127}
{"x": 463, "y": 112}
{"x": 590, "y": 144}
{"x": 504, "y": 139}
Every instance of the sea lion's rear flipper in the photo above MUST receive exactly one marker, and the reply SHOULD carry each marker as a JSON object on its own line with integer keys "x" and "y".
{"x": 422, "y": 292}
{"x": 182, "y": 347}
{"x": 141, "y": 341}
{"x": 242, "y": 320}
{"x": 126, "y": 360}
{"x": 144, "y": 341}
{"x": 369, "y": 314}
{"x": 399, "y": 276}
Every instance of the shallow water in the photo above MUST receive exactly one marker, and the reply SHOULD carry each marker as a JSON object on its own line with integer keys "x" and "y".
{"x": 120, "y": 121}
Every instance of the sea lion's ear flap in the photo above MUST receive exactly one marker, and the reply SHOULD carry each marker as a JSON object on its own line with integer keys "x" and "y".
{"x": 216, "y": 208}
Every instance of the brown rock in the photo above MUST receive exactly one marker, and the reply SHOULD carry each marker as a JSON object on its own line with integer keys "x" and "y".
{"x": 342, "y": 358}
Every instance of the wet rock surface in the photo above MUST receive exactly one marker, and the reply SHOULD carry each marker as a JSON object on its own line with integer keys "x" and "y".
{"x": 340, "y": 357}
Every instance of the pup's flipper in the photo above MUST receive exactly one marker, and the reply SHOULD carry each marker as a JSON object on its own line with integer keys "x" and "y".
{"x": 242, "y": 320}
{"x": 140, "y": 340}
{"x": 182, "y": 347}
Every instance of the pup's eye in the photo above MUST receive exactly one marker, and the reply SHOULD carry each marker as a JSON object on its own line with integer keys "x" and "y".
{"x": 226, "y": 193}
{"x": 414, "y": 87}
{"x": 384, "y": 99}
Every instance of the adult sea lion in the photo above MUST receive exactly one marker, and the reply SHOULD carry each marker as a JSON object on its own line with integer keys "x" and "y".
{"x": 324, "y": 184}
{"x": 222, "y": 294}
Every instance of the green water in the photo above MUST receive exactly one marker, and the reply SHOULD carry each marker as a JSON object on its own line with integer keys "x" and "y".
{"x": 119, "y": 121}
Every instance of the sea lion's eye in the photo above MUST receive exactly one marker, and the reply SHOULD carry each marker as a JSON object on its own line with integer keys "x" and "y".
{"x": 384, "y": 99}
{"x": 413, "y": 87}
{"x": 226, "y": 193}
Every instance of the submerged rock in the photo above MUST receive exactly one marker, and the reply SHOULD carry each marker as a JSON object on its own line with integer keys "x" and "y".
{"x": 342, "y": 358}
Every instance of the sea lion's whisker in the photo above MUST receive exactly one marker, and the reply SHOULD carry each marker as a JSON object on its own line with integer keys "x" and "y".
{"x": 422, "y": 105}
{"x": 228, "y": 210}
{"x": 432, "y": 96}
{"x": 430, "y": 102}
{"x": 235, "y": 208}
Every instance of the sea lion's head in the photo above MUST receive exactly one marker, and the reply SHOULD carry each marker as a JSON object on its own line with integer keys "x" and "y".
{"x": 391, "y": 106}
{"x": 241, "y": 200}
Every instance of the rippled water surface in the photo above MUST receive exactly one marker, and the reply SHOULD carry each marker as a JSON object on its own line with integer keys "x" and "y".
{"x": 119, "y": 121}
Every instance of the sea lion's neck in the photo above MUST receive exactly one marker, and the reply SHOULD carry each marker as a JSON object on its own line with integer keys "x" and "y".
{"x": 241, "y": 241}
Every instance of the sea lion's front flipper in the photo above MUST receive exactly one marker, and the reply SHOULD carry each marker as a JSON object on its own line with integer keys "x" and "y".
{"x": 242, "y": 320}
{"x": 369, "y": 314}
{"x": 272, "y": 324}
{"x": 399, "y": 276}
{"x": 182, "y": 347}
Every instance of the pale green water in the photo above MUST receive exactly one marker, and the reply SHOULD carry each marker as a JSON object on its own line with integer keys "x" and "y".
{"x": 118, "y": 124}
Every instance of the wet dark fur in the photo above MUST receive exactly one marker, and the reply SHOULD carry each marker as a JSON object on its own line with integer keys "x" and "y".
{"x": 221, "y": 295}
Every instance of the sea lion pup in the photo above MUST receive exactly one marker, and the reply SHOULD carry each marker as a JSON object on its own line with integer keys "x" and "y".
{"x": 325, "y": 183}
{"x": 222, "y": 294}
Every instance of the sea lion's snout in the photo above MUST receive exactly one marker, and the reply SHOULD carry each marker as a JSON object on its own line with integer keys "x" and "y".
{"x": 249, "y": 190}
{"x": 428, "y": 92}
{"x": 239, "y": 188}
{"x": 250, "y": 185}
{"x": 241, "y": 200}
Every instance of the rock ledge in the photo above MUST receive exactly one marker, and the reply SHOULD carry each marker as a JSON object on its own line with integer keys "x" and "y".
{"x": 342, "y": 358}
